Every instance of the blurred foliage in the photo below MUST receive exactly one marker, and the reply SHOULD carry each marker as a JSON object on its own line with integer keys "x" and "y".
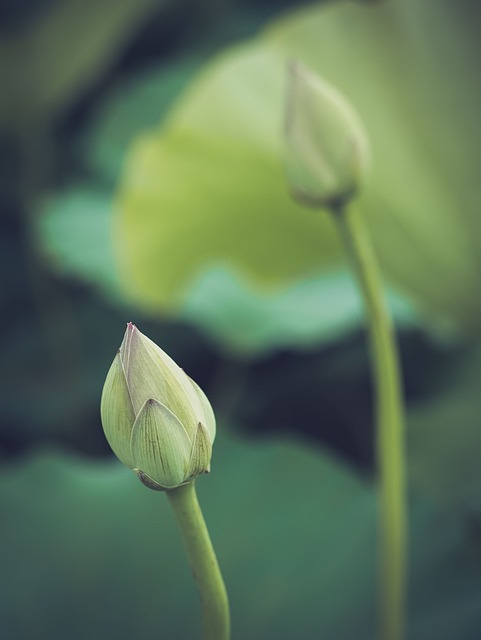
{"x": 294, "y": 531}
{"x": 203, "y": 228}
{"x": 58, "y": 334}
{"x": 37, "y": 81}
{"x": 217, "y": 165}
{"x": 141, "y": 179}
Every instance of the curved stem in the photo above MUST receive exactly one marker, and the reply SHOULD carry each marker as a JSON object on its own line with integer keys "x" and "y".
{"x": 203, "y": 562}
{"x": 390, "y": 446}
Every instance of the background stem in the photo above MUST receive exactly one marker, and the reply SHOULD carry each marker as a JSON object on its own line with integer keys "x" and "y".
{"x": 203, "y": 562}
{"x": 390, "y": 447}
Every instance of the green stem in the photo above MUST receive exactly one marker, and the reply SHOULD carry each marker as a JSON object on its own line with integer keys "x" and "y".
{"x": 203, "y": 562}
{"x": 390, "y": 446}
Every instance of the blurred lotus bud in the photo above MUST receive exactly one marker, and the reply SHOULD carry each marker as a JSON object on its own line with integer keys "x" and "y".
{"x": 327, "y": 148}
{"x": 156, "y": 419}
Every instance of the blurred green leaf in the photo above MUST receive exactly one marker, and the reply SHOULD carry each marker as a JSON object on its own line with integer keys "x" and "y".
{"x": 88, "y": 547}
{"x": 220, "y": 209}
{"x": 208, "y": 189}
{"x": 206, "y": 229}
{"x": 76, "y": 229}
{"x": 136, "y": 105}
{"x": 312, "y": 311}
{"x": 423, "y": 221}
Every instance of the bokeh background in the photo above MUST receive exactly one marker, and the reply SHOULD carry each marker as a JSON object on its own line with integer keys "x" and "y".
{"x": 141, "y": 179}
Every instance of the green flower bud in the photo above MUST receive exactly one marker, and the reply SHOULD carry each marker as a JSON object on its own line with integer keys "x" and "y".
{"x": 327, "y": 148}
{"x": 156, "y": 419}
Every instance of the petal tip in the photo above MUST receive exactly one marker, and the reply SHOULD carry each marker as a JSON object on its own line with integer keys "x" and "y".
{"x": 147, "y": 481}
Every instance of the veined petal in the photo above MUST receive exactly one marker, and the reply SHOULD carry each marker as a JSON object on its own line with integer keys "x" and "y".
{"x": 201, "y": 452}
{"x": 151, "y": 373}
{"x": 117, "y": 413}
{"x": 208, "y": 420}
{"x": 160, "y": 445}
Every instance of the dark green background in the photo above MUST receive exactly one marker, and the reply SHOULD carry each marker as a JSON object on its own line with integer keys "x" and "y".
{"x": 85, "y": 550}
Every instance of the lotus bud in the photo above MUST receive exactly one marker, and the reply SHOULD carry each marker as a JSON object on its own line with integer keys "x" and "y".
{"x": 156, "y": 419}
{"x": 327, "y": 151}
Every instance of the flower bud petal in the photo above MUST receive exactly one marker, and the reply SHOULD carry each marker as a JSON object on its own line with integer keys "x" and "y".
{"x": 327, "y": 147}
{"x": 151, "y": 373}
{"x": 116, "y": 412}
{"x": 160, "y": 446}
{"x": 157, "y": 420}
{"x": 201, "y": 452}
{"x": 209, "y": 418}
